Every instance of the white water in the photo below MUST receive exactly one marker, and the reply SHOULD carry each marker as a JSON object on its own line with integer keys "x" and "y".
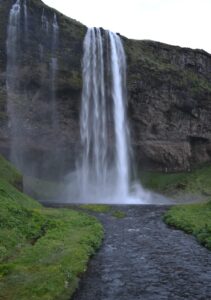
{"x": 54, "y": 68}
{"x": 44, "y": 21}
{"x": 18, "y": 97}
{"x": 118, "y": 63}
{"x": 103, "y": 171}
{"x": 25, "y": 19}
{"x": 93, "y": 116}
{"x": 53, "y": 29}
{"x": 12, "y": 80}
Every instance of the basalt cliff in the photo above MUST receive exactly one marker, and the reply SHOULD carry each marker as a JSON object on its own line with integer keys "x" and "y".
{"x": 169, "y": 96}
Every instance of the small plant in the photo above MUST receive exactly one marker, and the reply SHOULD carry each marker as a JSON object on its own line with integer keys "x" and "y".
{"x": 118, "y": 214}
{"x": 98, "y": 208}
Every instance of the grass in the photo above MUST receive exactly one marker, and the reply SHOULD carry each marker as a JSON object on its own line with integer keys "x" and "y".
{"x": 43, "y": 251}
{"x": 104, "y": 208}
{"x": 197, "y": 181}
{"x": 98, "y": 208}
{"x": 118, "y": 214}
{"x": 9, "y": 173}
{"x": 194, "y": 219}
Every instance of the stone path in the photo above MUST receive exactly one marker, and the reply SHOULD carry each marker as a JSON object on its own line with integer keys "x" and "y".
{"x": 142, "y": 259}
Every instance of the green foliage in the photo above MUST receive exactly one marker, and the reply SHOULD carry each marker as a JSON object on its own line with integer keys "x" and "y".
{"x": 118, "y": 214}
{"x": 194, "y": 219}
{"x": 99, "y": 208}
{"x": 10, "y": 196}
{"x": 9, "y": 173}
{"x": 155, "y": 59}
{"x": 104, "y": 208}
{"x": 43, "y": 251}
{"x": 197, "y": 181}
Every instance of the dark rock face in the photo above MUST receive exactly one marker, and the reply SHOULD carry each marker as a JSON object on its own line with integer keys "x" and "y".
{"x": 169, "y": 96}
{"x": 169, "y": 104}
{"x": 38, "y": 137}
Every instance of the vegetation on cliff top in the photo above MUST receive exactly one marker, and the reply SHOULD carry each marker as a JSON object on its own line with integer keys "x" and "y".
{"x": 42, "y": 251}
{"x": 163, "y": 62}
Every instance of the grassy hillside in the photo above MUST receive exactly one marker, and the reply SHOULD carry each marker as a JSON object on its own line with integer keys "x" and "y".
{"x": 9, "y": 174}
{"x": 194, "y": 219}
{"x": 42, "y": 251}
{"x": 197, "y": 181}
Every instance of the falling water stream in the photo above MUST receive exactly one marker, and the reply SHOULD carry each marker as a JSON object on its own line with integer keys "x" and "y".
{"x": 118, "y": 63}
{"x": 25, "y": 20}
{"x": 103, "y": 171}
{"x": 19, "y": 98}
{"x": 54, "y": 68}
{"x": 104, "y": 168}
{"x": 12, "y": 79}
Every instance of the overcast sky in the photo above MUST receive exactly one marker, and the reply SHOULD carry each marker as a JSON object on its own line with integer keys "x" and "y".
{"x": 178, "y": 22}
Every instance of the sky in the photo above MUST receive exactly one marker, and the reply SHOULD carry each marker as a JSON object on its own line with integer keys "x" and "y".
{"x": 186, "y": 23}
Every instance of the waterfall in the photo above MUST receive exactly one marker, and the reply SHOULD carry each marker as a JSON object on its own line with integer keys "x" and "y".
{"x": 16, "y": 89}
{"x": 25, "y": 20}
{"x": 12, "y": 79}
{"x": 54, "y": 68}
{"x": 103, "y": 168}
{"x": 45, "y": 29}
{"x": 104, "y": 171}
{"x": 18, "y": 97}
{"x": 118, "y": 63}
{"x": 44, "y": 21}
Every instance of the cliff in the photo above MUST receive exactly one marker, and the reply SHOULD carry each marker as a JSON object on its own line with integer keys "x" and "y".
{"x": 169, "y": 96}
{"x": 169, "y": 104}
{"x": 38, "y": 137}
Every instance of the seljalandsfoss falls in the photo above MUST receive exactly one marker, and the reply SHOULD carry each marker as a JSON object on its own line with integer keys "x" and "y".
{"x": 105, "y": 152}
{"x": 104, "y": 172}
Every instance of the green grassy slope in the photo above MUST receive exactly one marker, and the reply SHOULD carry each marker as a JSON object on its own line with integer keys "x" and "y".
{"x": 197, "y": 181}
{"x": 42, "y": 251}
{"x": 194, "y": 219}
{"x": 9, "y": 173}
